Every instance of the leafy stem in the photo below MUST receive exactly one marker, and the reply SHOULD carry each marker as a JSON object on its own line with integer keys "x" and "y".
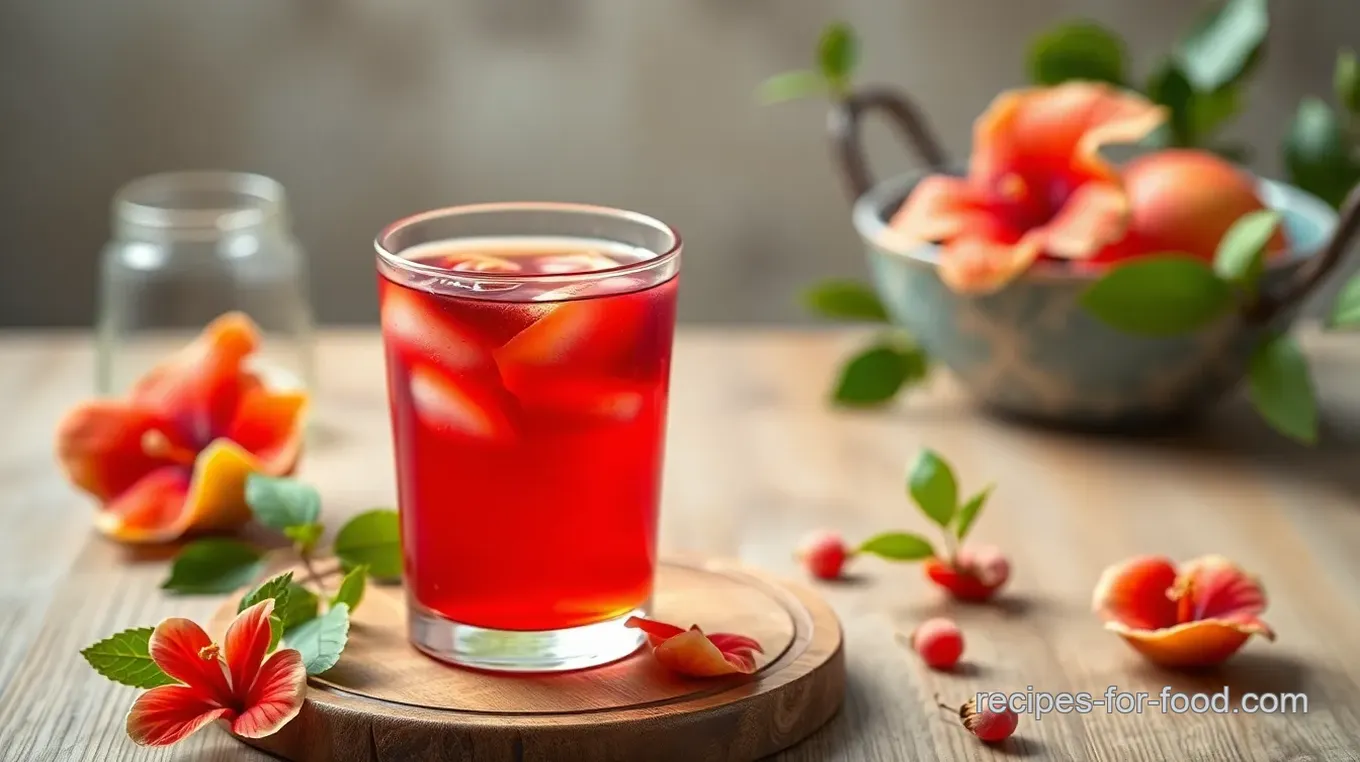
{"x": 933, "y": 488}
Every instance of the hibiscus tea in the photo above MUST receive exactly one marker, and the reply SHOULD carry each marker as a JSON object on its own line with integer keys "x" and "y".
{"x": 527, "y": 378}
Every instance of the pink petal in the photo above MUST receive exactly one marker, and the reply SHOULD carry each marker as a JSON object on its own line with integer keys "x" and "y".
{"x": 177, "y": 647}
{"x": 1220, "y": 590}
{"x": 979, "y": 265}
{"x": 275, "y": 698}
{"x": 1095, "y": 215}
{"x": 171, "y": 713}
{"x": 245, "y": 645}
{"x": 938, "y": 209}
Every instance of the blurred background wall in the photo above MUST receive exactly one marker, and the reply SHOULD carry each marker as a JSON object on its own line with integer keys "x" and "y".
{"x": 368, "y": 110}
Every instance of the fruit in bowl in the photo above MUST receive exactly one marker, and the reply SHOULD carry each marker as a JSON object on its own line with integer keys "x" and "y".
{"x": 1059, "y": 284}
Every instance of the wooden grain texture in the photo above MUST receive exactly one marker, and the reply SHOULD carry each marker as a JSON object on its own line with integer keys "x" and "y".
{"x": 755, "y": 458}
{"x": 402, "y": 705}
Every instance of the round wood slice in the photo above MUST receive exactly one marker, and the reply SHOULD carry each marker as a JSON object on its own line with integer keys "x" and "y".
{"x": 386, "y": 702}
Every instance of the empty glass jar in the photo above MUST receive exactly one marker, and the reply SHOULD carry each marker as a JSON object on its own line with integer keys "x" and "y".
{"x": 188, "y": 247}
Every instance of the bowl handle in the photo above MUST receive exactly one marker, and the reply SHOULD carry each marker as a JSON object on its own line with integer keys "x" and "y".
{"x": 1315, "y": 271}
{"x": 846, "y": 120}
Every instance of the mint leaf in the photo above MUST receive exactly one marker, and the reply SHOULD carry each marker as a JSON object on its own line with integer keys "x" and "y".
{"x": 1282, "y": 389}
{"x": 1346, "y": 311}
{"x": 845, "y": 300}
{"x": 1210, "y": 110}
{"x": 1224, "y": 44}
{"x": 280, "y": 503}
{"x": 1082, "y": 50}
{"x": 963, "y": 521}
{"x": 838, "y": 55}
{"x": 1162, "y": 295}
{"x": 792, "y": 85}
{"x": 373, "y": 539}
{"x": 1169, "y": 87}
{"x": 304, "y": 536}
{"x": 898, "y": 546}
{"x": 275, "y": 632}
{"x": 214, "y": 566}
{"x": 1346, "y": 82}
{"x": 877, "y": 374}
{"x": 1317, "y": 153}
{"x": 1242, "y": 252}
{"x": 125, "y": 658}
{"x": 321, "y": 640}
{"x": 299, "y": 605}
{"x": 274, "y": 587}
{"x": 932, "y": 485}
{"x": 351, "y": 590}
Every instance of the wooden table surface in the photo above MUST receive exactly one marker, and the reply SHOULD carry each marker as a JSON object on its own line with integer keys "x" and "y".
{"x": 755, "y": 459}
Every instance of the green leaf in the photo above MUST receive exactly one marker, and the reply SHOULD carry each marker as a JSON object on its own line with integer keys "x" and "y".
{"x": 1077, "y": 51}
{"x": 1223, "y": 45}
{"x": 125, "y": 658}
{"x": 1162, "y": 295}
{"x": 877, "y": 374}
{"x": 1169, "y": 87}
{"x": 1346, "y": 82}
{"x": 322, "y": 640}
{"x": 214, "y": 566}
{"x": 898, "y": 546}
{"x": 373, "y": 539}
{"x": 275, "y": 632}
{"x": 1346, "y": 311}
{"x": 1318, "y": 154}
{"x": 845, "y": 300}
{"x": 969, "y": 512}
{"x": 299, "y": 605}
{"x": 1241, "y": 254}
{"x": 792, "y": 85}
{"x": 1282, "y": 389}
{"x": 280, "y": 503}
{"x": 274, "y": 587}
{"x": 931, "y": 483}
{"x": 351, "y": 590}
{"x": 304, "y": 536}
{"x": 1211, "y": 110}
{"x": 838, "y": 55}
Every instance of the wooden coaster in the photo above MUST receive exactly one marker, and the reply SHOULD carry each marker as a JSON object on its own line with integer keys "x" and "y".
{"x": 385, "y": 701}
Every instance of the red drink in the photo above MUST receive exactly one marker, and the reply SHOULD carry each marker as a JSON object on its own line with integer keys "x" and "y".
{"x": 528, "y": 408}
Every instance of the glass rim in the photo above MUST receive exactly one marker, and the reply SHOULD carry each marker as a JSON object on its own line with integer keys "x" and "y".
{"x": 131, "y": 204}
{"x": 394, "y": 259}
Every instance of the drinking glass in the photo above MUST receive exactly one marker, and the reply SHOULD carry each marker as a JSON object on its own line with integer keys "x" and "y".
{"x": 528, "y": 351}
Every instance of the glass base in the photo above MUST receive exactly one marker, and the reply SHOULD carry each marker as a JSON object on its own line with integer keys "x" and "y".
{"x": 573, "y": 648}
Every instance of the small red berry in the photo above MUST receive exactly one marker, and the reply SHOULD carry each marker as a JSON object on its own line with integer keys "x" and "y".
{"x": 939, "y": 643}
{"x": 824, "y": 554}
{"x": 991, "y": 724}
{"x": 976, "y": 574}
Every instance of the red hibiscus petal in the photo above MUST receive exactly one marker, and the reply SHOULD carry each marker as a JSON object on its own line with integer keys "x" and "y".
{"x": 99, "y": 445}
{"x": 1095, "y": 215}
{"x": 938, "y": 209}
{"x": 149, "y": 510}
{"x": 268, "y": 424}
{"x": 177, "y": 646}
{"x": 276, "y": 696}
{"x": 1135, "y": 593}
{"x": 199, "y": 387}
{"x": 657, "y": 632}
{"x": 169, "y": 714}
{"x": 246, "y": 643}
{"x": 1055, "y": 133}
{"x": 978, "y": 264}
{"x": 1217, "y": 589}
